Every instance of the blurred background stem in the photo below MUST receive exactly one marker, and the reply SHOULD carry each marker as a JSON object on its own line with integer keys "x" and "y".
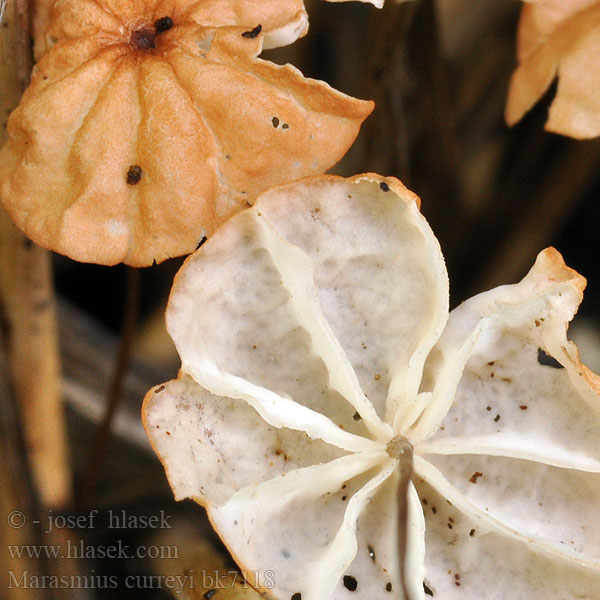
{"x": 28, "y": 303}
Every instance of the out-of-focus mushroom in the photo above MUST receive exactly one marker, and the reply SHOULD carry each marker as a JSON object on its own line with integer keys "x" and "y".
{"x": 559, "y": 38}
{"x": 148, "y": 123}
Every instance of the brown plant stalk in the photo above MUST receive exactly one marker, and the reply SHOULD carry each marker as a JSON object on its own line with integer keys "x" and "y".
{"x": 27, "y": 301}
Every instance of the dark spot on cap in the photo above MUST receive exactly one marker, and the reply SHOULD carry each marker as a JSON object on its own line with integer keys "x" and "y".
{"x": 371, "y": 552}
{"x": 208, "y": 595}
{"x": 350, "y": 583}
{"x": 159, "y": 389}
{"x": 488, "y": 408}
{"x": 472, "y": 532}
{"x": 433, "y": 509}
{"x": 547, "y": 361}
{"x": 427, "y": 589}
{"x": 253, "y": 32}
{"x": 143, "y": 39}
{"x": 285, "y": 553}
{"x": 134, "y": 174}
{"x": 344, "y": 498}
{"x": 384, "y": 186}
{"x": 275, "y": 122}
{"x": 523, "y": 407}
{"x": 497, "y": 418}
{"x": 296, "y": 596}
{"x": 475, "y": 476}
{"x": 285, "y": 126}
{"x": 163, "y": 24}
{"x": 356, "y": 416}
{"x": 388, "y": 586}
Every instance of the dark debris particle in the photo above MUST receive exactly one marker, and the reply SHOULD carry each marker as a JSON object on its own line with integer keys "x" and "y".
{"x": 475, "y": 476}
{"x": 427, "y": 589}
{"x": 296, "y": 596}
{"x": 275, "y": 122}
{"x": 344, "y": 498}
{"x": 496, "y": 418}
{"x": 27, "y": 243}
{"x": 433, "y": 509}
{"x": 472, "y": 532}
{"x": 384, "y": 186}
{"x": 356, "y": 416}
{"x": 208, "y": 595}
{"x": 371, "y": 552}
{"x": 159, "y": 389}
{"x": 388, "y": 586}
{"x": 134, "y": 174}
{"x": 163, "y": 24}
{"x": 547, "y": 361}
{"x": 523, "y": 407}
{"x": 285, "y": 126}
{"x": 253, "y": 33}
{"x": 350, "y": 583}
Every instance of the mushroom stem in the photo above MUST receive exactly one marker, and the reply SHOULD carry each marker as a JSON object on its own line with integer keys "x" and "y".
{"x": 401, "y": 449}
{"x": 103, "y": 436}
{"x": 27, "y": 302}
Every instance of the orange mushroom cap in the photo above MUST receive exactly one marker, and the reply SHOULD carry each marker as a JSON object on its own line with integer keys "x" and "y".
{"x": 149, "y": 122}
{"x": 560, "y": 39}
